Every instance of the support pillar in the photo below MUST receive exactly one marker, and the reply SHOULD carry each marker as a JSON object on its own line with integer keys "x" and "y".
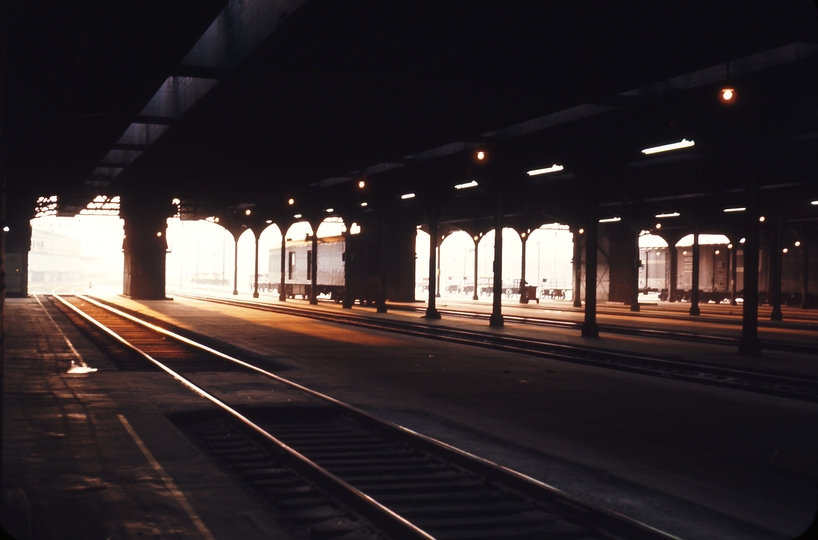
{"x": 637, "y": 263}
{"x": 496, "y": 318}
{"x": 775, "y": 271}
{"x": 578, "y": 237}
{"x": 805, "y": 274}
{"x": 749, "y": 343}
{"x": 314, "y": 274}
{"x": 282, "y": 295}
{"x": 437, "y": 273}
{"x": 733, "y": 274}
{"x": 17, "y": 247}
{"x": 348, "y": 299}
{"x": 431, "y": 309}
{"x": 523, "y": 295}
{"x": 476, "y": 242}
{"x": 384, "y": 255}
{"x": 673, "y": 278}
{"x": 255, "y": 268}
{"x": 694, "y": 293}
{"x": 145, "y": 246}
{"x": 235, "y": 264}
{"x": 590, "y": 327}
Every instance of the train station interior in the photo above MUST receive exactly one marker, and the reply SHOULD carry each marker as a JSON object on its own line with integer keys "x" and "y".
{"x": 575, "y": 243}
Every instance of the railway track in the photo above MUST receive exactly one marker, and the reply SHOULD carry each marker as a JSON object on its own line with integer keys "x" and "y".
{"x": 333, "y": 471}
{"x": 799, "y": 388}
{"x": 766, "y": 344}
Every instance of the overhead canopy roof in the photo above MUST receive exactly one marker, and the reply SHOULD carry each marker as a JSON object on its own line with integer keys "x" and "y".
{"x": 230, "y": 104}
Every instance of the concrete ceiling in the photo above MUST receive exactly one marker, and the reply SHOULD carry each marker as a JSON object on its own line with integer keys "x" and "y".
{"x": 303, "y": 98}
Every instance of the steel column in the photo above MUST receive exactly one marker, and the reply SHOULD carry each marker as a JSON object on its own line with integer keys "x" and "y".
{"x": 255, "y": 269}
{"x": 431, "y": 309}
{"x": 694, "y": 292}
{"x": 496, "y": 318}
{"x": 476, "y": 242}
{"x": 282, "y": 295}
{"x": 314, "y": 275}
{"x": 577, "y": 268}
{"x": 235, "y": 264}
{"x": 733, "y": 274}
{"x": 590, "y": 327}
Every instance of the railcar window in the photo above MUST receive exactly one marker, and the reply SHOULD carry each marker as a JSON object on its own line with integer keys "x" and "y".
{"x": 291, "y": 266}
{"x": 309, "y": 264}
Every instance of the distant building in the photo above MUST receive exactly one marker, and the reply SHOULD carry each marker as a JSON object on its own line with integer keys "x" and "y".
{"x": 54, "y": 257}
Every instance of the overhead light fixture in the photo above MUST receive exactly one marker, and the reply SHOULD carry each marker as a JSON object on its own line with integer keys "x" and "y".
{"x": 727, "y": 94}
{"x": 248, "y": 212}
{"x": 175, "y": 201}
{"x": 297, "y": 216}
{"x": 610, "y": 220}
{"x": 329, "y": 210}
{"x": 481, "y": 155}
{"x": 268, "y": 221}
{"x": 785, "y": 250}
{"x": 742, "y": 240}
{"x": 364, "y": 204}
{"x": 658, "y": 225}
{"x": 6, "y": 228}
{"x": 407, "y": 196}
{"x": 581, "y": 231}
{"x": 470, "y": 183}
{"x": 735, "y": 209}
{"x": 361, "y": 184}
{"x": 671, "y": 214}
{"x": 797, "y": 243}
{"x": 291, "y": 202}
{"x": 762, "y": 219}
{"x": 552, "y": 168}
{"x": 814, "y": 203}
{"x": 684, "y": 143}
{"x": 729, "y": 246}
{"x": 159, "y": 234}
{"x": 216, "y": 219}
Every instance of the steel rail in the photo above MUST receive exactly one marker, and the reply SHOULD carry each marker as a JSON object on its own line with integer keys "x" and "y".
{"x": 381, "y": 516}
{"x": 614, "y": 521}
{"x": 756, "y": 381}
{"x": 767, "y": 344}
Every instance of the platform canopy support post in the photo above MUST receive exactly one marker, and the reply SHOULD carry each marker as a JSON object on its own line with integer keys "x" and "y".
{"x": 476, "y": 239}
{"x": 523, "y": 294}
{"x": 145, "y": 245}
{"x": 637, "y": 263}
{"x": 733, "y": 274}
{"x": 282, "y": 295}
{"x": 348, "y": 299}
{"x": 314, "y": 265}
{"x": 255, "y": 266}
{"x": 577, "y": 261}
{"x": 437, "y": 272}
{"x": 749, "y": 344}
{"x": 673, "y": 274}
{"x": 804, "y": 273}
{"x": 496, "y": 318}
{"x": 589, "y": 326}
{"x": 694, "y": 287}
{"x": 431, "y": 309}
{"x": 775, "y": 271}
{"x": 381, "y": 307}
{"x": 235, "y": 264}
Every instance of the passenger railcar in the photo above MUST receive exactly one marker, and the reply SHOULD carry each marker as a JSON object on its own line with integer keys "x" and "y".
{"x": 298, "y": 267}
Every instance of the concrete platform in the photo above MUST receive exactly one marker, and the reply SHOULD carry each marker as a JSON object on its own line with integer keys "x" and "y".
{"x": 697, "y": 461}
{"x": 92, "y": 455}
